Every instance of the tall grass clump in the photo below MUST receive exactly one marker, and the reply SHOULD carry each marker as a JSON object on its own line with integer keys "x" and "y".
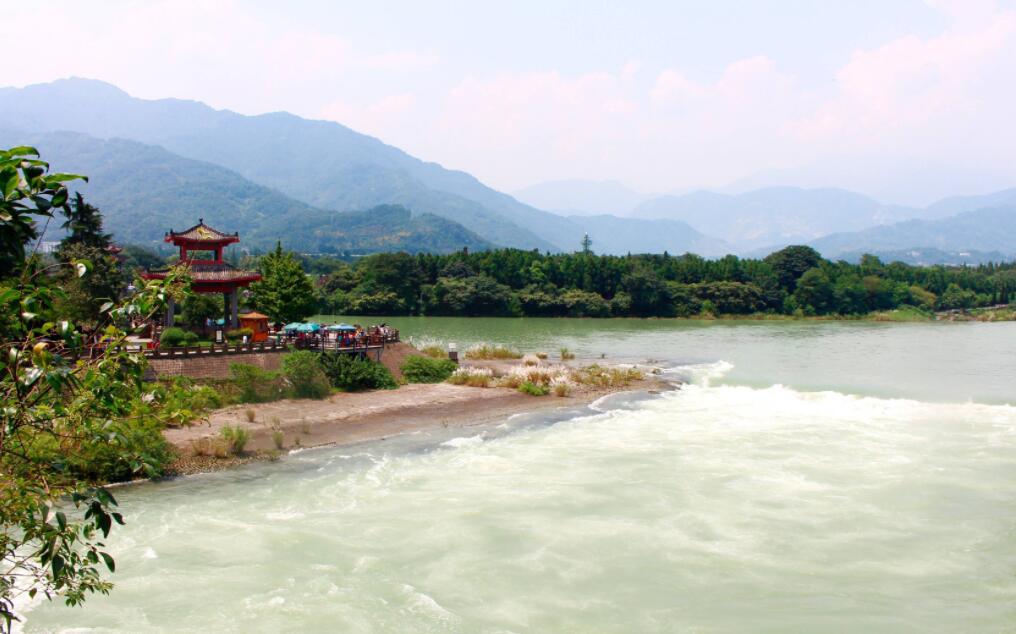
{"x": 491, "y": 351}
{"x": 236, "y": 438}
{"x": 600, "y": 376}
{"x": 561, "y": 386}
{"x": 473, "y": 377}
{"x": 566, "y": 354}
{"x": 418, "y": 369}
{"x": 429, "y": 347}
{"x": 530, "y": 359}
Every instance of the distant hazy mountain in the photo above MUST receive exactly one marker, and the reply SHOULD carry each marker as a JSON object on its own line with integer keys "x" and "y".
{"x": 145, "y": 190}
{"x": 773, "y": 216}
{"x": 635, "y": 235}
{"x": 320, "y": 163}
{"x": 581, "y": 197}
{"x": 986, "y": 230}
{"x": 959, "y": 204}
{"x": 929, "y": 256}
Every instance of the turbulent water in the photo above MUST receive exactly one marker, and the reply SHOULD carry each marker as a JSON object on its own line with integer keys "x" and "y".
{"x": 810, "y": 477}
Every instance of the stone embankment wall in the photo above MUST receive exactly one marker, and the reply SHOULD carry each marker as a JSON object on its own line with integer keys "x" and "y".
{"x": 213, "y": 366}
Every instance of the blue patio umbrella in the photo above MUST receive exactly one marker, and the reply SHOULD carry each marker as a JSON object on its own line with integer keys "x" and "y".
{"x": 342, "y": 328}
{"x": 310, "y": 327}
{"x": 293, "y": 327}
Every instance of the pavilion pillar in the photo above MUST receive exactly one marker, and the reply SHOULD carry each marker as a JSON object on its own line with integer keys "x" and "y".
{"x": 170, "y": 309}
{"x": 234, "y": 308}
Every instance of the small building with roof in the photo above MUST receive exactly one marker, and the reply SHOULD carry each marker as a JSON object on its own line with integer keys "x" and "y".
{"x": 209, "y": 274}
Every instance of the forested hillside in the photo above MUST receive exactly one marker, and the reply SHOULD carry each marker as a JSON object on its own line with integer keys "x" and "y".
{"x": 145, "y": 190}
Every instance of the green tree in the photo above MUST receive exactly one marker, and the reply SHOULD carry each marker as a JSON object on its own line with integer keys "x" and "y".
{"x": 790, "y": 264}
{"x": 199, "y": 307}
{"x": 647, "y": 292}
{"x": 284, "y": 292}
{"x": 814, "y": 292}
{"x": 84, "y": 296}
{"x": 84, "y": 225}
{"x": 398, "y": 273}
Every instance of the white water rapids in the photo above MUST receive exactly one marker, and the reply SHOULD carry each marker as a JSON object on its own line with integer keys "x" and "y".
{"x": 714, "y": 508}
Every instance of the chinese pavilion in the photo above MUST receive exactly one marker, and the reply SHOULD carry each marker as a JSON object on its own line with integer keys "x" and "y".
{"x": 208, "y": 276}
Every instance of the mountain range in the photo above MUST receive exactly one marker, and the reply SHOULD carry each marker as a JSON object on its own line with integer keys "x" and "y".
{"x": 315, "y": 185}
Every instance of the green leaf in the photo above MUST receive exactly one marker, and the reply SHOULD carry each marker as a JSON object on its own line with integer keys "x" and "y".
{"x": 61, "y": 177}
{"x": 59, "y": 198}
{"x": 58, "y": 565}
{"x": 23, "y": 150}
{"x": 109, "y": 562}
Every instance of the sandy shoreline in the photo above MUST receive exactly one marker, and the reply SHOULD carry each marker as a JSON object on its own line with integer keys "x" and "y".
{"x": 350, "y": 418}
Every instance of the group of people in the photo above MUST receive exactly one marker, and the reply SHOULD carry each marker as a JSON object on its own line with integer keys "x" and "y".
{"x": 358, "y": 338}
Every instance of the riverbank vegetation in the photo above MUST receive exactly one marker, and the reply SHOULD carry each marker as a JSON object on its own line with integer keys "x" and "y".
{"x": 795, "y": 281}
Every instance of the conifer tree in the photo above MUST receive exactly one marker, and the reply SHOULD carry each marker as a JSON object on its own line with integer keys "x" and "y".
{"x": 84, "y": 225}
{"x": 284, "y": 293}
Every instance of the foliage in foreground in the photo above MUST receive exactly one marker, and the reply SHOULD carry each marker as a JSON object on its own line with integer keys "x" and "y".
{"x": 65, "y": 422}
{"x": 418, "y": 369}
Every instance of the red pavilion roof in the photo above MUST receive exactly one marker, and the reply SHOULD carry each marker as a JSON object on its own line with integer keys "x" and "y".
{"x": 201, "y": 234}
{"x": 212, "y": 273}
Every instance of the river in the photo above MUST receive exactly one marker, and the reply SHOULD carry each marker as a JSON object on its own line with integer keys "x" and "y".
{"x": 810, "y": 476}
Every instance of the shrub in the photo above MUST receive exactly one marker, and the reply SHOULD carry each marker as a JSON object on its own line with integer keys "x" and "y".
{"x": 351, "y": 374}
{"x": 418, "y": 369}
{"x": 235, "y": 437}
{"x": 250, "y": 414}
{"x": 306, "y": 376}
{"x": 567, "y": 354}
{"x": 237, "y": 334}
{"x": 473, "y": 377}
{"x": 531, "y": 359}
{"x": 278, "y": 438}
{"x": 179, "y": 401}
{"x": 533, "y": 389}
{"x": 492, "y": 351}
{"x": 257, "y": 385}
{"x": 119, "y": 456}
{"x": 542, "y": 355}
{"x": 174, "y": 337}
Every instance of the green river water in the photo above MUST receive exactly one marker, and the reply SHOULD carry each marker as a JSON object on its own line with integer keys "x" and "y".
{"x": 809, "y": 476}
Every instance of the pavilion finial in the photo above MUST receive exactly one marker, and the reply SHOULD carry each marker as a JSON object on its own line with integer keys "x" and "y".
{"x": 201, "y": 221}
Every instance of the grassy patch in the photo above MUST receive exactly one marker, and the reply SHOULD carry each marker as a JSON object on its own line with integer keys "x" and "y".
{"x": 492, "y": 351}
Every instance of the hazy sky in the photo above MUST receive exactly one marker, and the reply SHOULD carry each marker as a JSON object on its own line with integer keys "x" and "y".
{"x": 906, "y": 100}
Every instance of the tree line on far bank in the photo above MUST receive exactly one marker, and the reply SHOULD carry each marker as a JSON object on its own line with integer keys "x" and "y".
{"x": 795, "y": 280}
